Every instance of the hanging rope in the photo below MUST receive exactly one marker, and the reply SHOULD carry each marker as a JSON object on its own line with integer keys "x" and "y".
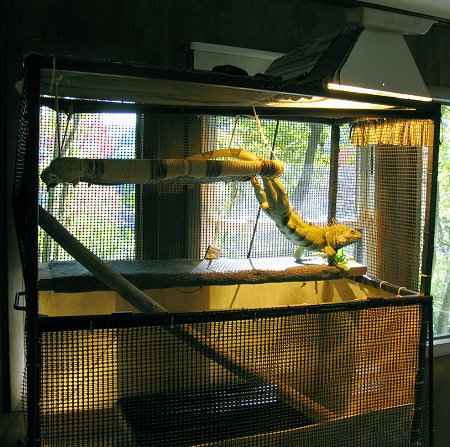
{"x": 272, "y": 155}
{"x": 234, "y": 186}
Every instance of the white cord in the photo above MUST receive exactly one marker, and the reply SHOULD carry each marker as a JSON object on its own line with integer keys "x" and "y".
{"x": 235, "y": 186}
{"x": 227, "y": 205}
{"x": 263, "y": 135}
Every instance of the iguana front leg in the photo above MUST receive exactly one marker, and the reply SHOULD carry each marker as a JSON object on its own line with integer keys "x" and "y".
{"x": 330, "y": 242}
{"x": 272, "y": 199}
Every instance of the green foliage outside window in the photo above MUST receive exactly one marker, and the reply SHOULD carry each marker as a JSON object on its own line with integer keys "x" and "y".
{"x": 440, "y": 286}
{"x": 101, "y": 217}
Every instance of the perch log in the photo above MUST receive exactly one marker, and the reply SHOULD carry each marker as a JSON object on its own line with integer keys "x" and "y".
{"x": 96, "y": 266}
{"x": 117, "y": 171}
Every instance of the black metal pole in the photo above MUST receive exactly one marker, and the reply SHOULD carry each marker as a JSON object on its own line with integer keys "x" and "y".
{"x": 334, "y": 166}
{"x": 430, "y": 207}
{"x": 31, "y": 178}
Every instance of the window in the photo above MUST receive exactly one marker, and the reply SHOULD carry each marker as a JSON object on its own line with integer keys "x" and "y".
{"x": 440, "y": 285}
{"x": 180, "y": 221}
{"x": 101, "y": 217}
{"x": 381, "y": 189}
{"x": 230, "y": 214}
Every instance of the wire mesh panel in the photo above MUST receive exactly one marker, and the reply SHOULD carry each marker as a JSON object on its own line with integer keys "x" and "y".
{"x": 169, "y": 225}
{"x": 230, "y": 215}
{"x": 24, "y": 182}
{"x": 348, "y": 375}
{"x": 382, "y": 192}
{"x": 101, "y": 217}
{"x": 181, "y": 221}
{"x": 381, "y": 188}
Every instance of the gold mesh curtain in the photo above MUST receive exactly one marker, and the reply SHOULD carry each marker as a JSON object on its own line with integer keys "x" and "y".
{"x": 395, "y": 133}
{"x": 400, "y": 149}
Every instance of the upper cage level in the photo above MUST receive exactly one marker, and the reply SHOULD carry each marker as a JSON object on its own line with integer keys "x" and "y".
{"x": 366, "y": 165}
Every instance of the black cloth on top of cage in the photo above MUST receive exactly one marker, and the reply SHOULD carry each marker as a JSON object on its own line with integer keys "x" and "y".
{"x": 179, "y": 170}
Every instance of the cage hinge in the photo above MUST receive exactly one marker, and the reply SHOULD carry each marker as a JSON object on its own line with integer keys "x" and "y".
{"x": 17, "y": 305}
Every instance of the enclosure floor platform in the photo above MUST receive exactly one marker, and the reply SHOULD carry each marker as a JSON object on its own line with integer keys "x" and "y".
{"x": 204, "y": 417}
{"x": 70, "y": 276}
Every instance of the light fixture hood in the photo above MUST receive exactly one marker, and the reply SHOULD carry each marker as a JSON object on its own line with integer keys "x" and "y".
{"x": 370, "y": 58}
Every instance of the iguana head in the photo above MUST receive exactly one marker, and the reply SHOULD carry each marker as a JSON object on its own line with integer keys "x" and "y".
{"x": 343, "y": 235}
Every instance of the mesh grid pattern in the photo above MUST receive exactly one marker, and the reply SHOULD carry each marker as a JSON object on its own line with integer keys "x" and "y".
{"x": 317, "y": 376}
{"x": 169, "y": 212}
{"x": 101, "y": 217}
{"x": 23, "y": 181}
{"x": 181, "y": 221}
{"x": 382, "y": 193}
{"x": 230, "y": 216}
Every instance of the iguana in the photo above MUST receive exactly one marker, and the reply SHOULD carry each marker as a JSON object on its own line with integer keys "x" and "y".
{"x": 274, "y": 202}
{"x": 328, "y": 239}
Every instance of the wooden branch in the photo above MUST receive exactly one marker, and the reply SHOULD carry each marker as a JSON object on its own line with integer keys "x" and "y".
{"x": 119, "y": 171}
{"x": 242, "y": 367}
{"x": 96, "y": 266}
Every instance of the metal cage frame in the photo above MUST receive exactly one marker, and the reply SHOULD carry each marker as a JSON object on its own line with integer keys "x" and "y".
{"x": 25, "y": 196}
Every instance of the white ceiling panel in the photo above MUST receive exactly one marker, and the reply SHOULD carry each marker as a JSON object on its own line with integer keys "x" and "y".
{"x": 434, "y": 8}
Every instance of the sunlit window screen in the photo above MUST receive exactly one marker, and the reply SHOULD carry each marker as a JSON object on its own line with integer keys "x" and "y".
{"x": 347, "y": 194}
{"x": 440, "y": 282}
{"x": 101, "y": 217}
{"x": 231, "y": 217}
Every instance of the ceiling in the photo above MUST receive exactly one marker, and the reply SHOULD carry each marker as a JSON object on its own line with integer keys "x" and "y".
{"x": 433, "y": 8}
{"x": 436, "y": 9}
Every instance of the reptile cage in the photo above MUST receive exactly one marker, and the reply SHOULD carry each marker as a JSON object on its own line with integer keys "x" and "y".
{"x": 210, "y": 332}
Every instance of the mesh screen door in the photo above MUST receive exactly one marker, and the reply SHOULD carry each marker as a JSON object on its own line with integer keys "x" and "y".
{"x": 352, "y": 375}
{"x": 379, "y": 188}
